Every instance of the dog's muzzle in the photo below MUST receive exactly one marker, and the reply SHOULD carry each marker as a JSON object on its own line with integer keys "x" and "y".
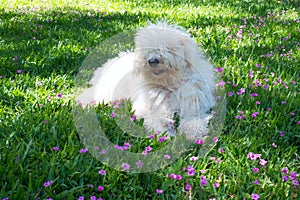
{"x": 154, "y": 64}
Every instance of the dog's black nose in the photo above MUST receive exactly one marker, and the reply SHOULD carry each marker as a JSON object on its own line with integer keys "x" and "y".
{"x": 153, "y": 62}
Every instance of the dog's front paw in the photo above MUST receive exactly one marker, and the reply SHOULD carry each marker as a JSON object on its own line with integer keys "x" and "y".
{"x": 193, "y": 128}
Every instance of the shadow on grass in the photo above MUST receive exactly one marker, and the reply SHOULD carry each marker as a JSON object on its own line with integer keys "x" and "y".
{"x": 55, "y": 41}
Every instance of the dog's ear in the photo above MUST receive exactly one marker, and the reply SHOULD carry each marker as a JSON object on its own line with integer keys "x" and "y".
{"x": 191, "y": 51}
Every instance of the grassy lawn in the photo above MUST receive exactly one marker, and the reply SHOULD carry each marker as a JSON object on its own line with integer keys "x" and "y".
{"x": 255, "y": 47}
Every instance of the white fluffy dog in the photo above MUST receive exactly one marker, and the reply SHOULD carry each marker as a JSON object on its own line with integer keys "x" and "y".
{"x": 165, "y": 75}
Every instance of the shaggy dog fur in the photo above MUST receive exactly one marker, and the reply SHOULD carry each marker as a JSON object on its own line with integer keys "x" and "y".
{"x": 165, "y": 75}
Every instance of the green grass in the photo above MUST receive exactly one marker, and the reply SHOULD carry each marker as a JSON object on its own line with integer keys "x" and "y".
{"x": 48, "y": 41}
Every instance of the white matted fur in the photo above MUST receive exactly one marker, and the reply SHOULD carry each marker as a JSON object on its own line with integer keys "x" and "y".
{"x": 166, "y": 74}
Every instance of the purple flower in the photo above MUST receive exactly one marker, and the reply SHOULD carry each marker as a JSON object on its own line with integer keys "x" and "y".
{"x": 125, "y": 166}
{"x": 84, "y": 150}
{"x": 161, "y": 139}
{"x": 55, "y": 148}
{"x": 152, "y": 136}
{"x": 139, "y": 164}
{"x": 253, "y": 95}
{"x": 241, "y": 91}
{"x": 255, "y": 196}
{"x": 293, "y": 175}
{"x": 102, "y": 172}
{"x": 215, "y": 139}
{"x": 48, "y": 183}
{"x": 221, "y": 83}
{"x": 230, "y": 94}
{"x": 213, "y": 158}
{"x": 285, "y": 178}
{"x": 295, "y": 183}
{"x": 113, "y": 114}
{"x": 216, "y": 185}
{"x": 190, "y": 167}
{"x": 158, "y": 191}
{"x": 254, "y": 114}
{"x": 256, "y": 182}
{"x": 239, "y": 117}
{"x": 100, "y": 188}
{"x": 127, "y": 144}
{"x": 255, "y": 170}
{"x": 167, "y": 157}
{"x": 59, "y": 95}
{"x": 148, "y": 148}
{"x": 132, "y": 118}
{"x": 219, "y": 69}
{"x": 253, "y": 156}
{"x": 198, "y": 142}
{"x": 191, "y": 171}
{"x": 81, "y": 198}
{"x": 284, "y": 170}
{"x": 193, "y": 158}
{"x": 188, "y": 187}
{"x": 178, "y": 177}
{"x": 173, "y": 176}
{"x": 251, "y": 74}
{"x": 124, "y": 148}
{"x": 203, "y": 181}
{"x": 116, "y": 106}
{"x": 144, "y": 153}
{"x": 19, "y": 71}
{"x": 281, "y": 133}
{"x": 263, "y": 162}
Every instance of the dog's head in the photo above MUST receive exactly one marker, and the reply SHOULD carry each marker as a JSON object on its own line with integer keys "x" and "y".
{"x": 165, "y": 54}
